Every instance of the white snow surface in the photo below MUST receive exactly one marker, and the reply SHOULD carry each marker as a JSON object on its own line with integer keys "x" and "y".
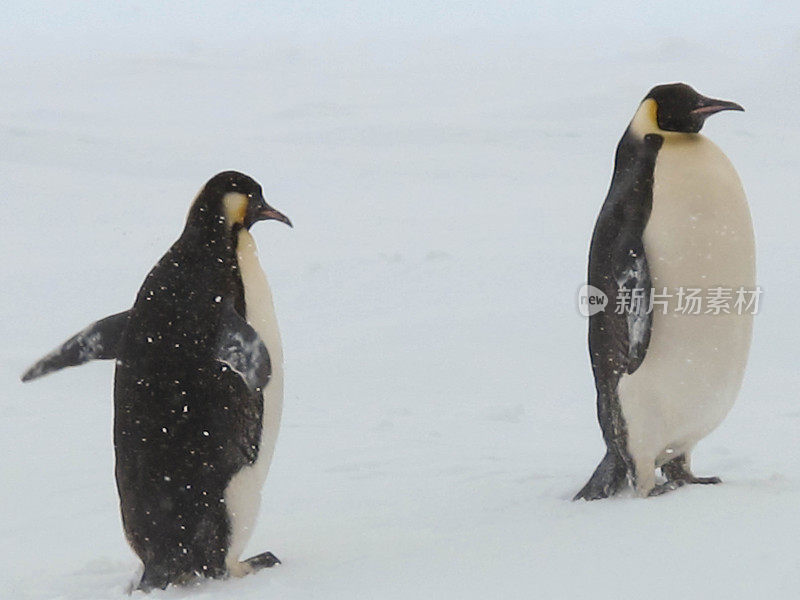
{"x": 443, "y": 165}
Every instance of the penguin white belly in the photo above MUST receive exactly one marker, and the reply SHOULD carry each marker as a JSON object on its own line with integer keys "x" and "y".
{"x": 699, "y": 235}
{"x": 243, "y": 494}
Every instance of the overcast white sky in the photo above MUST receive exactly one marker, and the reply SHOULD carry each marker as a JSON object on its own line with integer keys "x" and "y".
{"x": 51, "y": 27}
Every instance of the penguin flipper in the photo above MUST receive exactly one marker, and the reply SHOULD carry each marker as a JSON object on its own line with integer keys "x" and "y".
{"x": 633, "y": 279}
{"x": 98, "y": 341}
{"x": 240, "y": 347}
{"x": 618, "y": 342}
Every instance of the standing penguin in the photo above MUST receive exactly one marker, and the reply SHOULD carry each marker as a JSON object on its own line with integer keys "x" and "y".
{"x": 198, "y": 391}
{"x": 675, "y": 217}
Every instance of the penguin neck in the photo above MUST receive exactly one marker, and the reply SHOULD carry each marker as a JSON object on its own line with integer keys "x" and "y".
{"x": 210, "y": 243}
{"x": 207, "y": 230}
{"x": 645, "y": 122}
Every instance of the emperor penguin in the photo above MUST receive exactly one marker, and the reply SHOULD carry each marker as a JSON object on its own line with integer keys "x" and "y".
{"x": 675, "y": 218}
{"x": 198, "y": 391}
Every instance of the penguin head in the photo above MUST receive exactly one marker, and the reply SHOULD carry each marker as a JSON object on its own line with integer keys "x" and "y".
{"x": 680, "y": 108}
{"x": 235, "y": 199}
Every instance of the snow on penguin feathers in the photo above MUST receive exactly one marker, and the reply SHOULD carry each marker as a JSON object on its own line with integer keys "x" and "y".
{"x": 198, "y": 382}
{"x": 197, "y": 393}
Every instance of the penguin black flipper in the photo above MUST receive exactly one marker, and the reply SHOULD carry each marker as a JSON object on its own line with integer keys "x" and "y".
{"x": 242, "y": 349}
{"x": 631, "y": 329}
{"x": 619, "y": 336}
{"x": 98, "y": 341}
{"x": 619, "y": 345}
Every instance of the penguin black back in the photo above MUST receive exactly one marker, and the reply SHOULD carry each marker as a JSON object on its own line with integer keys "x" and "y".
{"x": 166, "y": 375}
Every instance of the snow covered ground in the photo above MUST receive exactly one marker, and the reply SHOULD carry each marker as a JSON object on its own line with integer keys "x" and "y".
{"x": 443, "y": 167}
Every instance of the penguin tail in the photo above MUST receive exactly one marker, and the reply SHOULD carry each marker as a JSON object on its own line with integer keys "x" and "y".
{"x": 158, "y": 577}
{"x": 154, "y": 577}
{"x": 169, "y": 571}
{"x": 610, "y": 476}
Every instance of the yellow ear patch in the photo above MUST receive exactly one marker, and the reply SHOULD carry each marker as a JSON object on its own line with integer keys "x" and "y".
{"x": 646, "y": 118}
{"x": 235, "y": 207}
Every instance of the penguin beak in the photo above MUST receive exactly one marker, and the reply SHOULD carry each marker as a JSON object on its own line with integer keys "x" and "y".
{"x": 267, "y": 212}
{"x": 709, "y": 106}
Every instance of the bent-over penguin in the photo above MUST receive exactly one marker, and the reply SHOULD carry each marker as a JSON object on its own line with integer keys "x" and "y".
{"x": 675, "y": 218}
{"x": 198, "y": 391}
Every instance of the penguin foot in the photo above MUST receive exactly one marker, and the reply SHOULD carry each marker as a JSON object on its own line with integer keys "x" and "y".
{"x": 705, "y": 480}
{"x": 677, "y": 470}
{"x": 262, "y": 561}
{"x": 691, "y": 479}
{"x": 674, "y": 484}
{"x": 678, "y": 474}
{"x": 663, "y": 488}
